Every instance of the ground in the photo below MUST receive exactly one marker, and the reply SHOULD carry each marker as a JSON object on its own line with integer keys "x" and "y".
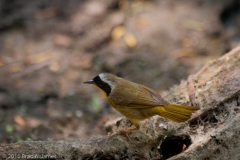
{"x": 48, "y": 49}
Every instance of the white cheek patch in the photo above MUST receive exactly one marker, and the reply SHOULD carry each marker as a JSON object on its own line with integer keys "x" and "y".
{"x": 104, "y": 78}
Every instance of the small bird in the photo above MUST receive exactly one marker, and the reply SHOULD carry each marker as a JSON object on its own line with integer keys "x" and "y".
{"x": 138, "y": 102}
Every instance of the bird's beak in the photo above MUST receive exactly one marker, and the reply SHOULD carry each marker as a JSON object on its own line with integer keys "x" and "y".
{"x": 89, "y": 82}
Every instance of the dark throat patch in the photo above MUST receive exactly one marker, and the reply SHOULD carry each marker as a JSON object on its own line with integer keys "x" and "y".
{"x": 103, "y": 85}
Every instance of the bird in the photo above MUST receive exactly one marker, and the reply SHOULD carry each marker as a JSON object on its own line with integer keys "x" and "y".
{"x": 137, "y": 102}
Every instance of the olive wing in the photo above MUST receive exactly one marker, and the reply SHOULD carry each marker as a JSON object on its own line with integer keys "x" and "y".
{"x": 147, "y": 98}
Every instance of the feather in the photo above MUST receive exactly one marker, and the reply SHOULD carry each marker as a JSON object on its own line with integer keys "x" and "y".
{"x": 176, "y": 112}
{"x": 146, "y": 98}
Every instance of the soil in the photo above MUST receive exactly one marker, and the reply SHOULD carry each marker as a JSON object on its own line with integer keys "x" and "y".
{"x": 48, "y": 49}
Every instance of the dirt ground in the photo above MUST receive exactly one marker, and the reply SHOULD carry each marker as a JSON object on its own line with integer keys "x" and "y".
{"x": 49, "y": 48}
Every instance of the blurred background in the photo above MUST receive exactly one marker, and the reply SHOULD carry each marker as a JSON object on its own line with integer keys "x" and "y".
{"x": 49, "y": 48}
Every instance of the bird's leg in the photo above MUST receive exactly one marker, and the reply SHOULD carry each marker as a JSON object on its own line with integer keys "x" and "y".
{"x": 125, "y": 132}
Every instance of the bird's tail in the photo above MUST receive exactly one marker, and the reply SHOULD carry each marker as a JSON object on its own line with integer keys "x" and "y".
{"x": 176, "y": 112}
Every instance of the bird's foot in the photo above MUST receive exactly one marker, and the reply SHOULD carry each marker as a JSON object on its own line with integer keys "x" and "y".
{"x": 125, "y": 132}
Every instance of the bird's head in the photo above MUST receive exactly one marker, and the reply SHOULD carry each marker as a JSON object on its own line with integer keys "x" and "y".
{"x": 105, "y": 81}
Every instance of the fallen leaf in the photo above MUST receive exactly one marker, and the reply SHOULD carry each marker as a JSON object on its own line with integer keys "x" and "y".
{"x": 141, "y": 23}
{"x": 117, "y": 33}
{"x": 54, "y": 66}
{"x": 123, "y": 4}
{"x": 187, "y": 42}
{"x": 62, "y": 40}
{"x": 15, "y": 146}
{"x": 1, "y": 63}
{"x": 19, "y": 120}
{"x": 16, "y": 67}
{"x": 33, "y": 122}
{"x": 19, "y": 83}
{"x": 64, "y": 85}
{"x": 72, "y": 74}
{"x": 184, "y": 147}
{"x": 130, "y": 40}
{"x": 194, "y": 25}
{"x": 40, "y": 57}
{"x": 183, "y": 52}
{"x": 84, "y": 61}
{"x": 46, "y": 13}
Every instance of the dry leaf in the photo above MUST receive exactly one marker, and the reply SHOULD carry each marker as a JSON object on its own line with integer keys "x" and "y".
{"x": 64, "y": 86}
{"x": 117, "y": 32}
{"x": 54, "y": 67}
{"x": 130, "y": 40}
{"x": 184, "y": 147}
{"x": 19, "y": 120}
{"x": 72, "y": 74}
{"x": 19, "y": 83}
{"x": 33, "y": 122}
{"x": 16, "y": 67}
{"x": 183, "y": 52}
{"x": 194, "y": 25}
{"x": 62, "y": 40}
{"x": 83, "y": 60}
{"x": 187, "y": 42}
{"x": 1, "y": 63}
{"x": 123, "y": 4}
{"x": 141, "y": 23}
{"x": 45, "y": 13}
{"x": 40, "y": 57}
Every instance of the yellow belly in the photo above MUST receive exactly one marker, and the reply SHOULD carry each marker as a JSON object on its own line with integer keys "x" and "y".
{"x": 136, "y": 113}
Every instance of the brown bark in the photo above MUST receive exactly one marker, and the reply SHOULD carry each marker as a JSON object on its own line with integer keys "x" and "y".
{"x": 213, "y": 133}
